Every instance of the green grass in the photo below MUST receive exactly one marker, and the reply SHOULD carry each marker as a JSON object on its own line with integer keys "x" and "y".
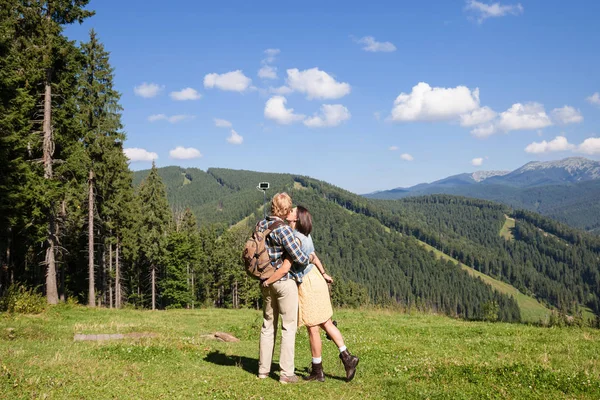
{"x": 507, "y": 229}
{"x": 402, "y": 356}
{"x": 531, "y": 309}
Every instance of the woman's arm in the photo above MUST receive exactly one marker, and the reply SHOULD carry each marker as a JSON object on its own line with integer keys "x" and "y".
{"x": 279, "y": 273}
{"x": 317, "y": 263}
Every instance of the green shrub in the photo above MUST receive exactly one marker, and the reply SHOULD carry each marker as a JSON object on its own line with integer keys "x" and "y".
{"x": 21, "y": 300}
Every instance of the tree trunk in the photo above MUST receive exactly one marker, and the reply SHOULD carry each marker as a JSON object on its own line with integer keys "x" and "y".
{"x": 193, "y": 291}
{"x": 110, "y": 288}
{"x": 48, "y": 151}
{"x": 117, "y": 278}
{"x": 91, "y": 287}
{"x": 153, "y": 288}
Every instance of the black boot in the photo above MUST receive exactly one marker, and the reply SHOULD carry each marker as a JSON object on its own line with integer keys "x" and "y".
{"x": 350, "y": 363}
{"x": 316, "y": 373}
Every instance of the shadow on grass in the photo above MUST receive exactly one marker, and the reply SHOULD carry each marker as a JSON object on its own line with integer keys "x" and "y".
{"x": 250, "y": 365}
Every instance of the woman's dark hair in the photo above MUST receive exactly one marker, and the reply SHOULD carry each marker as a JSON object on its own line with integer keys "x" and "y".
{"x": 304, "y": 222}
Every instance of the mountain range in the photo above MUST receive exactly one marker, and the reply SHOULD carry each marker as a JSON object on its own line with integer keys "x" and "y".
{"x": 566, "y": 190}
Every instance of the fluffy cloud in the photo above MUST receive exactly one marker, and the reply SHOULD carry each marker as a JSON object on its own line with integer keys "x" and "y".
{"x": 478, "y": 116}
{"x": 275, "y": 110}
{"x": 484, "y": 130}
{"x": 316, "y": 84}
{"x": 222, "y": 123}
{"x": 267, "y": 72}
{"x": 594, "y": 99}
{"x": 425, "y": 103}
{"x": 370, "y": 44}
{"x": 235, "y": 138}
{"x": 484, "y": 11}
{"x": 331, "y": 115}
{"x": 406, "y": 157}
{"x": 186, "y": 94}
{"x": 566, "y": 115}
{"x": 393, "y": 148}
{"x": 172, "y": 119}
{"x": 523, "y": 117}
{"x": 136, "y": 154}
{"x": 183, "y": 153}
{"x": 590, "y": 146}
{"x": 147, "y": 90}
{"x": 271, "y": 54}
{"x": 234, "y": 81}
{"x": 559, "y": 143}
{"x": 477, "y": 162}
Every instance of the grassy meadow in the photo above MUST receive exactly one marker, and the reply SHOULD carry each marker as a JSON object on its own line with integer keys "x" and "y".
{"x": 402, "y": 356}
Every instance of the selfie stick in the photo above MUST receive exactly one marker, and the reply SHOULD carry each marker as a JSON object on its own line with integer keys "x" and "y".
{"x": 264, "y": 186}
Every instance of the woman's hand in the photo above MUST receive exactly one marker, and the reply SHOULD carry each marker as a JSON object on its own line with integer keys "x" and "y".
{"x": 327, "y": 278}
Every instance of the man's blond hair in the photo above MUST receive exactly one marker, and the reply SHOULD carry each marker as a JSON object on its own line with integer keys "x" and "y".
{"x": 281, "y": 205}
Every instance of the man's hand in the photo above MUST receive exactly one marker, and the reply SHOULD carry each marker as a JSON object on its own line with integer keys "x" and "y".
{"x": 264, "y": 283}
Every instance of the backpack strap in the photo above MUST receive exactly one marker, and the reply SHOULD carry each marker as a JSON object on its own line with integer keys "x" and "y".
{"x": 273, "y": 226}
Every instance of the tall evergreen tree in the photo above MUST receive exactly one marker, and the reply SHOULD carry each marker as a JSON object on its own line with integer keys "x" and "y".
{"x": 99, "y": 114}
{"x": 155, "y": 219}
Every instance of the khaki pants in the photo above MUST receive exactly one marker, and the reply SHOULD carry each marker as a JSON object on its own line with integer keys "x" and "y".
{"x": 281, "y": 298}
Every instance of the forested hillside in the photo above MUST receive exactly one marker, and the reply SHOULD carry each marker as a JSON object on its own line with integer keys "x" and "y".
{"x": 381, "y": 253}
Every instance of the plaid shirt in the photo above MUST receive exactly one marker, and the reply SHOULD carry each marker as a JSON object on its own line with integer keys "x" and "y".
{"x": 280, "y": 241}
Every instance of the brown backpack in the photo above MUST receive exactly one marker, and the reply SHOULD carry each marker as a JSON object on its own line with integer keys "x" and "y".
{"x": 256, "y": 255}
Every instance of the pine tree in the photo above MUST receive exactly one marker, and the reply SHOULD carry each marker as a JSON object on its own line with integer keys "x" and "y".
{"x": 100, "y": 118}
{"x": 155, "y": 219}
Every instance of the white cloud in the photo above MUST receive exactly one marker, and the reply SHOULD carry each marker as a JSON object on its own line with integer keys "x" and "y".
{"x": 235, "y": 138}
{"x": 331, "y": 115}
{"x": 523, "y": 117}
{"x": 425, "y": 103}
{"x": 484, "y": 130}
{"x": 147, "y": 90}
{"x": 156, "y": 117}
{"x": 183, "y": 153}
{"x": 316, "y": 84}
{"x": 478, "y": 116}
{"x": 271, "y": 54}
{"x": 186, "y": 94}
{"x": 370, "y": 44}
{"x": 477, "y": 162}
{"x": 560, "y": 143}
{"x": 407, "y": 157}
{"x": 393, "y": 148}
{"x": 136, "y": 154}
{"x": 566, "y": 115}
{"x": 275, "y": 110}
{"x": 283, "y": 90}
{"x": 267, "y": 72}
{"x": 594, "y": 99}
{"x": 222, "y": 123}
{"x": 590, "y": 146}
{"x": 234, "y": 81}
{"x": 484, "y": 11}
{"x": 172, "y": 119}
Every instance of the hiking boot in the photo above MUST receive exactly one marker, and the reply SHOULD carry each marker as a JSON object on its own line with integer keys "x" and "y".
{"x": 350, "y": 362}
{"x": 316, "y": 373}
{"x": 288, "y": 379}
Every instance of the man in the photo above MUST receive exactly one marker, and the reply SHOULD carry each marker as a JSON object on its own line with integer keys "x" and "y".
{"x": 280, "y": 298}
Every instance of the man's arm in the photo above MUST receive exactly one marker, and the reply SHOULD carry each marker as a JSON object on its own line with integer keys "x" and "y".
{"x": 281, "y": 271}
{"x": 289, "y": 243}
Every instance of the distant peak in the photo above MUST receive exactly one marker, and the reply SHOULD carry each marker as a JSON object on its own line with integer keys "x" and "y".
{"x": 479, "y": 176}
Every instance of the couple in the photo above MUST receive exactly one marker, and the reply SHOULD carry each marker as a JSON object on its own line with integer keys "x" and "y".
{"x": 299, "y": 279}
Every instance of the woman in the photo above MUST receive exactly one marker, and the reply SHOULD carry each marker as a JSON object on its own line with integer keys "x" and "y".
{"x": 314, "y": 300}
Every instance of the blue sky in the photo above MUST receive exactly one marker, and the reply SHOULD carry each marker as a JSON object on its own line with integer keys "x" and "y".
{"x": 384, "y": 94}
